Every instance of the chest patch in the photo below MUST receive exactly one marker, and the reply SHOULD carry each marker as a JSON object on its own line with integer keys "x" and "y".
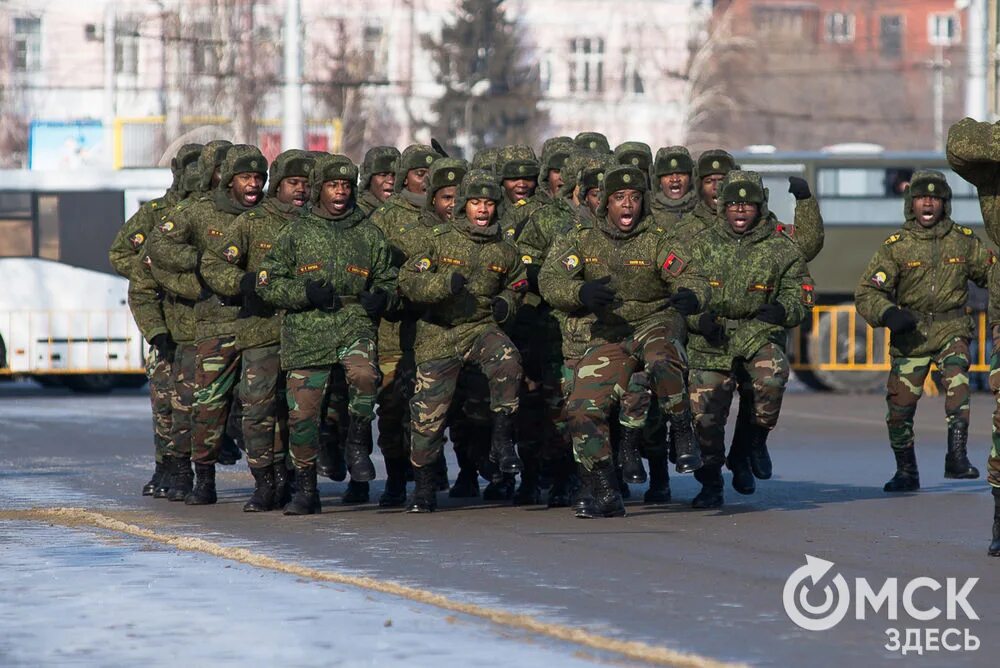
{"x": 496, "y": 268}
{"x": 214, "y": 233}
{"x": 592, "y": 260}
{"x": 955, "y": 260}
{"x": 637, "y": 263}
{"x": 455, "y": 262}
{"x": 312, "y": 266}
{"x": 715, "y": 283}
{"x": 360, "y": 271}
{"x": 264, "y": 245}
{"x": 913, "y": 264}
{"x": 760, "y": 287}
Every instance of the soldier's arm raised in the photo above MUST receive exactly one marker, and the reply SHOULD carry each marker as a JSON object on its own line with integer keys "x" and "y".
{"x": 278, "y": 282}
{"x": 561, "y": 276}
{"x": 974, "y": 153}
{"x": 222, "y": 267}
{"x": 809, "y": 234}
{"x": 876, "y": 291}
{"x": 170, "y": 243}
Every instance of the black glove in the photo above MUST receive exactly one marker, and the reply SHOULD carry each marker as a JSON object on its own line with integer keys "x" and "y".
{"x": 374, "y": 303}
{"x": 597, "y": 294}
{"x": 684, "y": 301}
{"x": 164, "y": 345}
{"x": 322, "y": 295}
{"x": 532, "y": 270}
{"x": 254, "y": 305}
{"x": 799, "y": 187}
{"x": 458, "y": 283}
{"x": 899, "y": 320}
{"x": 773, "y": 313}
{"x": 248, "y": 284}
{"x": 711, "y": 329}
{"x": 501, "y": 309}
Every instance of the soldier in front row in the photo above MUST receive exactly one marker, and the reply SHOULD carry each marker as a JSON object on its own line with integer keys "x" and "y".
{"x": 917, "y": 286}
{"x": 760, "y": 287}
{"x": 469, "y": 281}
{"x": 334, "y": 275}
{"x": 624, "y": 271}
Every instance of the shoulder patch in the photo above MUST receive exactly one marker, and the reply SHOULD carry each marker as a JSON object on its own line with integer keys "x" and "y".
{"x": 439, "y": 229}
{"x": 892, "y": 239}
{"x": 166, "y": 226}
{"x": 571, "y": 262}
{"x": 262, "y": 278}
{"x": 232, "y": 254}
{"x": 422, "y": 264}
{"x": 674, "y": 265}
{"x": 964, "y": 230}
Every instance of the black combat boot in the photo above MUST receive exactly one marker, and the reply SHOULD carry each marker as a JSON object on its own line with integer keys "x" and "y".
{"x": 305, "y": 501}
{"x": 760, "y": 458}
{"x": 584, "y": 494}
{"x": 659, "y": 481}
{"x": 607, "y": 500}
{"x": 424, "y": 499}
{"x": 357, "y": 450}
{"x": 154, "y": 482}
{"x": 262, "y": 499}
{"x": 628, "y": 456}
{"x": 688, "y": 452}
{"x": 502, "y": 450}
{"x": 738, "y": 460}
{"x": 330, "y": 458}
{"x": 622, "y": 485}
{"x": 559, "y": 490}
{"x": 356, "y": 492}
{"x": 710, "y": 495}
{"x": 500, "y": 488}
{"x": 995, "y": 545}
{"x": 282, "y": 483}
{"x": 394, "y": 494}
{"x": 441, "y": 473}
{"x": 528, "y": 493}
{"x": 956, "y": 461}
{"x": 907, "y": 478}
{"x": 182, "y": 480}
{"x": 467, "y": 483}
{"x": 229, "y": 451}
{"x": 203, "y": 493}
{"x": 163, "y": 487}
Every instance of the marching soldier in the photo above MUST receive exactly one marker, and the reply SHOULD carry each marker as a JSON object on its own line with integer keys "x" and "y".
{"x": 378, "y": 178}
{"x": 335, "y": 278}
{"x": 230, "y": 270}
{"x": 550, "y": 179}
{"x": 673, "y": 185}
{"x": 622, "y": 270}
{"x": 972, "y": 153}
{"x": 917, "y": 287}
{"x": 470, "y": 281}
{"x": 592, "y": 141}
{"x": 760, "y": 287}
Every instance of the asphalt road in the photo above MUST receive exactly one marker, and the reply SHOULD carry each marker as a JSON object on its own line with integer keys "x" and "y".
{"x": 705, "y": 582}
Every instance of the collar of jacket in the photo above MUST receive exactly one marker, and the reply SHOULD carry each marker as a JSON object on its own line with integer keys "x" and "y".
{"x": 478, "y": 234}
{"x": 414, "y": 199}
{"x": 226, "y": 204}
{"x": 428, "y": 218}
{"x": 276, "y": 206}
{"x": 346, "y": 220}
{"x": 936, "y": 231}
{"x": 663, "y": 203}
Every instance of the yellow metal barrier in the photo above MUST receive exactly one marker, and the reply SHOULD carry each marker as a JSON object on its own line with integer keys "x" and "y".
{"x": 71, "y": 342}
{"x": 840, "y": 340}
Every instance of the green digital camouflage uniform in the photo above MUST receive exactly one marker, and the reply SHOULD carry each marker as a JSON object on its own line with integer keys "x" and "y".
{"x": 240, "y": 254}
{"x": 592, "y": 141}
{"x": 401, "y": 212}
{"x": 378, "y": 160}
{"x": 180, "y": 294}
{"x": 634, "y": 153}
{"x": 637, "y": 329}
{"x": 555, "y": 151}
{"x": 186, "y": 236}
{"x": 760, "y": 266}
{"x": 353, "y": 257}
{"x": 672, "y": 160}
{"x": 459, "y": 329}
{"x": 926, "y": 271}
{"x": 974, "y": 154}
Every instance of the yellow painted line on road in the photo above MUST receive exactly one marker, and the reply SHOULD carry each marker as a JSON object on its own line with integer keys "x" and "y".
{"x": 639, "y": 651}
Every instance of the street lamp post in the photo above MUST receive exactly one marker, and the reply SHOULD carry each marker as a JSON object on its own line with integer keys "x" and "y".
{"x": 476, "y": 91}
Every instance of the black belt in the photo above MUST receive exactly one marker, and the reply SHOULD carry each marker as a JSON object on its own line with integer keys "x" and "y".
{"x": 951, "y": 314}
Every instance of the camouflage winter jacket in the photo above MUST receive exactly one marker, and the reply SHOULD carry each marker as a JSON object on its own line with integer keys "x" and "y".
{"x": 645, "y": 267}
{"x": 368, "y": 203}
{"x": 492, "y": 268}
{"x": 350, "y": 255}
{"x": 667, "y": 212}
{"x": 926, "y": 271}
{"x": 242, "y": 250}
{"x": 128, "y": 243}
{"x": 746, "y": 271}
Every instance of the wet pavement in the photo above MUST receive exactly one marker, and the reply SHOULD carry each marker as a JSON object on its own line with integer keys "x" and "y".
{"x": 707, "y": 582}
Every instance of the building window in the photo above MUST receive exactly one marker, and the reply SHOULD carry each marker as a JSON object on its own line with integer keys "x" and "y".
{"x": 204, "y": 59}
{"x": 840, "y": 27}
{"x": 586, "y": 71}
{"x": 943, "y": 29}
{"x": 780, "y": 21}
{"x": 126, "y": 46}
{"x": 27, "y": 45}
{"x": 545, "y": 73}
{"x": 631, "y": 79}
{"x": 891, "y": 36}
{"x": 375, "y": 52}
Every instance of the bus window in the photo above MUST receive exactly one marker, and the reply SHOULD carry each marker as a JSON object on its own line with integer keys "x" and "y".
{"x": 850, "y": 182}
{"x": 15, "y": 225}
{"x": 896, "y": 181}
{"x": 48, "y": 227}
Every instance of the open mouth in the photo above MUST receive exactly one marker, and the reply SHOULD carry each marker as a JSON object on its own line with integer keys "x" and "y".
{"x": 927, "y": 216}
{"x": 482, "y": 221}
{"x": 674, "y": 188}
{"x": 339, "y": 205}
{"x": 252, "y": 197}
{"x": 299, "y": 200}
{"x": 627, "y": 219}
